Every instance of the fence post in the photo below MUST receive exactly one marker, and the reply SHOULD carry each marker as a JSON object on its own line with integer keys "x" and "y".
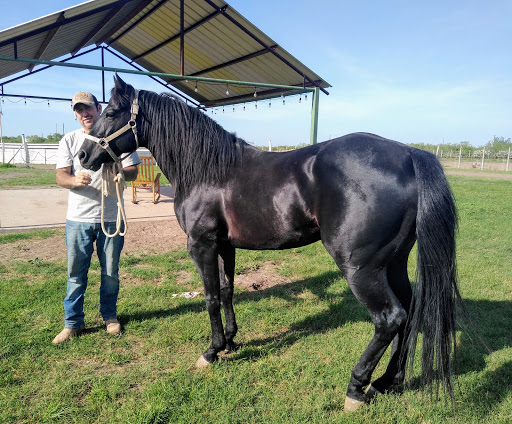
{"x": 483, "y": 158}
{"x": 460, "y": 156}
{"x": 27, "y": 154}
{"x": 508, "y": 158}
{"x": 269, "y": 145}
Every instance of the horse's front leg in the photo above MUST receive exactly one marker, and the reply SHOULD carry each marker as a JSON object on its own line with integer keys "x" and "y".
{"x": 227, "y": 276}
{"x": 205, "y": 256}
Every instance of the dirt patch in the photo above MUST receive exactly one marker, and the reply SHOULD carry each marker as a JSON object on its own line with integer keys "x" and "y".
{"x": 142, "y": 238}
{"x": 260, "y": 279}
{"x": 148, "y": 237}
{"x": 482, "y": 174}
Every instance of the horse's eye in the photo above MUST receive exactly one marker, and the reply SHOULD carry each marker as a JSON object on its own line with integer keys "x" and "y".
{"x": 109, "y": 114}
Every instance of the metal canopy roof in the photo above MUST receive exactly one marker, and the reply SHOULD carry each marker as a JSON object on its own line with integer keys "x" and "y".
{"x": 188, "y": 38}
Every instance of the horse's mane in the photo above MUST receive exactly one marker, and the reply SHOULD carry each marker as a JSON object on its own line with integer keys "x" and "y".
{"x": 190, "y": 147}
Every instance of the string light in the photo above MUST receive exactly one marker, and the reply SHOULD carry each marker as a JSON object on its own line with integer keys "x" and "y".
{"x": 227, "y": 89}
{"x": 195, "y": 89}
{"x": 48, "y": 103}
{"x": 215, "y": 111}
{"x": 255, "y": 93}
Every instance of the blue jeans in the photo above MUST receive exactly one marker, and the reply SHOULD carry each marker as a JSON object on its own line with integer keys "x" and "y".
{"x": 80, "y": 238}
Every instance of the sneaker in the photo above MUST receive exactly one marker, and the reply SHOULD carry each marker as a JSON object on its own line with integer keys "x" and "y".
{"x": 66, "y": 334}
{"x": 113, "y": 326}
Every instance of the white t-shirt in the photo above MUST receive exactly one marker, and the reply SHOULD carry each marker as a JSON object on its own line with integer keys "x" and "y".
{"x": 84, "y": 203}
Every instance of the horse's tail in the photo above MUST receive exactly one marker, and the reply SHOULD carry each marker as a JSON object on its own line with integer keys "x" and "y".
{"x": 436, "y": 292}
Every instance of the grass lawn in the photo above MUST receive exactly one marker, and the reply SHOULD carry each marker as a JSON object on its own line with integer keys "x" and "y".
{"x": 299, "y": 340}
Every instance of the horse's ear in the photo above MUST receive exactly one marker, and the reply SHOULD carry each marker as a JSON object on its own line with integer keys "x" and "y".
{"x": 119, "y": 84}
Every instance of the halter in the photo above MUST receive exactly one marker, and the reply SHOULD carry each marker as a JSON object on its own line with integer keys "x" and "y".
{"x": 116, "y": 166}
{"x": 131, "y": 125}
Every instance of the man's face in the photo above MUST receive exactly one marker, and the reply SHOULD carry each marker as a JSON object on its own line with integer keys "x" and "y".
{"x": 87, "y": 115}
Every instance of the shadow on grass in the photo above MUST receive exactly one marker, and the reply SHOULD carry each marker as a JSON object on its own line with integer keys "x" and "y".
{"x": 492, "y": 319}
{"x": 342, "y": 308}
{"x": 185, "y": 308}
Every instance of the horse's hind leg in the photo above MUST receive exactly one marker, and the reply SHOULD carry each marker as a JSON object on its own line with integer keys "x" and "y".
{"x": 370, "y": 286}
{"x": 394, "y": 376}
{"x": 227, "y": 275}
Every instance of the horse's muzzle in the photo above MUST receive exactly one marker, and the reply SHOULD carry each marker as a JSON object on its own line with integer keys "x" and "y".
{"x": 84, "y": 158}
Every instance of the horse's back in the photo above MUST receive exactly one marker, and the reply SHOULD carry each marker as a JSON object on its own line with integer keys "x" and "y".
{"x": 355, "y": 183}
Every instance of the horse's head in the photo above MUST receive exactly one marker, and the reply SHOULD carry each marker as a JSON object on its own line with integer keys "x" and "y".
{"x": 115, "y": 132}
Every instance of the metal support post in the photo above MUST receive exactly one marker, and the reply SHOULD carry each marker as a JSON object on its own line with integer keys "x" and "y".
{"x": 314, "y": 116}
{"x": 103, "y": 73}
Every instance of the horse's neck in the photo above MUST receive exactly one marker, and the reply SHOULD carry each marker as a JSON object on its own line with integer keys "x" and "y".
{"x": 161, "y": 162}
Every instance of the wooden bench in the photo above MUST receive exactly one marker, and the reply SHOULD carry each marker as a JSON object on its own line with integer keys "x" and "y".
{"x": 146, "y": 180}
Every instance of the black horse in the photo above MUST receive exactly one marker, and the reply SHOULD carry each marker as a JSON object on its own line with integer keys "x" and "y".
{"x": 368, "y": 199}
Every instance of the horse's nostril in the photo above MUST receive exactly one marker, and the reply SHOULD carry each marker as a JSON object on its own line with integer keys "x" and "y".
{"x": 82, "y": 155}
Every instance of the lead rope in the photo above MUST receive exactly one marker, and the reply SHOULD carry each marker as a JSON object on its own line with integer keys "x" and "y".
{"x": 107, "y": 189}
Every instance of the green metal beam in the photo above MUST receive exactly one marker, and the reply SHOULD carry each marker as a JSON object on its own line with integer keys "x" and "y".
{"x": 314, "y": 90}
{"x": 155, "y": 74}
{"x": 314, "y": 116}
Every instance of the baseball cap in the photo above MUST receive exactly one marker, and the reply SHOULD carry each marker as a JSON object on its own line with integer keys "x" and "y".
{"x": 83, "y": 97}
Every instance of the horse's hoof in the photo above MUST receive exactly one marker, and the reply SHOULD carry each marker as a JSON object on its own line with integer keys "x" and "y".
{"x": 202, "y": 363}
{"x": 352, "y": 405}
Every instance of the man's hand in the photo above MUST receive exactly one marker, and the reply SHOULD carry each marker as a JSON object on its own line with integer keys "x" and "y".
{"x": 65, "y": 179}
{"x": 82, "y": 179}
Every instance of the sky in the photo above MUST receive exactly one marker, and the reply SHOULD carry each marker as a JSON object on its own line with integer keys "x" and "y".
{"x": 423, "y": 71}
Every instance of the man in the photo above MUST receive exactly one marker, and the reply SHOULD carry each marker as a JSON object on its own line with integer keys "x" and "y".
{"x": 83, "y": 224}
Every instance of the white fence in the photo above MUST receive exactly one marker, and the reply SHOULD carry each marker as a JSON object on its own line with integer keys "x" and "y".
{"x": 45, "y": 154}
{"x": 480, "y": 159}
{"x": 37, "y": 154}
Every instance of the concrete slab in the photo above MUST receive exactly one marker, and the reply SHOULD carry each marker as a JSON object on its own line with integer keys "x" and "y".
{"x": 32, "y": 209}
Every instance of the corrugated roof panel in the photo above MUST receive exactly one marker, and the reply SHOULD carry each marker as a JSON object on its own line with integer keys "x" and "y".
{"x": 143, "y": 27}
{"x": 160, "y": 27}
{"x": 145, "y": 11}
{"x": 127, "y": 9}
{"x": 69, "y": 37}
{"x": 19, "y": 30}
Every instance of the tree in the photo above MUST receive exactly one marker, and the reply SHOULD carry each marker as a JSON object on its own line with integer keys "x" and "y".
{"x": 499, "y": 144}
{"x": 35, "y": 139}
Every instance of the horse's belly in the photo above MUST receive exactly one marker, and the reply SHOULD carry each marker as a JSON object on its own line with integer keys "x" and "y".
{"x": 258, "y": 238}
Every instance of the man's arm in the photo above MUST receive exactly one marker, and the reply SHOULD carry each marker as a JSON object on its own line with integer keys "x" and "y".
{"x": 130, "y": 172}
{"x": 65, "y": 179}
